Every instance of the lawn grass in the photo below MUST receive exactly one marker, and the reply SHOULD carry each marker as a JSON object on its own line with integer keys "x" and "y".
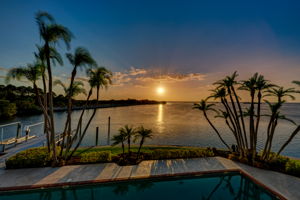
{"x": 115, "y": 150}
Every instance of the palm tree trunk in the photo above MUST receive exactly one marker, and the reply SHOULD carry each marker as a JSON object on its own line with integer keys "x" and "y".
{"x": 236, "y": 116}
{"x": 295, "y": 132}
{"x": 45, "y": 114}
{"x": 78, "y": 129}
{"x": 141, "y": 144}
{"x": 257, "y": 118}
{"x": 86, "y": 127}
{"x": 251, "y": 123}
{"x": 233, "y": 122}
{"x": 69, "y": 124}
{"x": 219, "y": 135}
{"x": 128, "y": 142}
{"x": 51, "y": 115}
{"x": 241, "y": 114}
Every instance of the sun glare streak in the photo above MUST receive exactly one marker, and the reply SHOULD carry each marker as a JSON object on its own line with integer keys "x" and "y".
{"x": 160, "y": 113}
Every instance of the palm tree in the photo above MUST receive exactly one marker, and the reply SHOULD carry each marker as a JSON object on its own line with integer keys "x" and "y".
{"x": 261, "y": 86}
{"x": 77, "y": 88}
{"x": 274, "y": 117}
{"x": 229, "y": 83}
{"x": 128, "y": 131}
{"x": 32, "y": 72}
{"x": 204, "y": 107}
{"x": 51, "y": 33}
{"x": 80, "y": 59}
{"x": 142, "y": 134}
{"x": 250, "y": 85}
{"x": 120, "y": 138}
{"x": 280, "y": 93}
{"x": 99, "y": 77}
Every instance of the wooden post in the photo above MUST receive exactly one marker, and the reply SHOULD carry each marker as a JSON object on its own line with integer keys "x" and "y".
{"x": 27, "y": 132}
{"x": 108, "y": 131}
{"x": 18, "y": 132}
{"x": 97, "y": 135}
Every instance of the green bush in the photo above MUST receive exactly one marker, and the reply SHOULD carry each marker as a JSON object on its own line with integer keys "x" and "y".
{"x": 179, "y": 153}
{"x": 293, "y": 167}
{"x": 278, "y": 162}
{"x": 34, "y": 157}
{"x": 95, "y": 157}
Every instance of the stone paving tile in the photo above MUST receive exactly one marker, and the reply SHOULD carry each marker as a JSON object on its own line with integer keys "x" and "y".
{"x": 285, "y": 185}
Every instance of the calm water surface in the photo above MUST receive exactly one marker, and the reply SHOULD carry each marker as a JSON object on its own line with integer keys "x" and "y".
{"x": 221, "y": 187}
{"x": 172, "y": 124}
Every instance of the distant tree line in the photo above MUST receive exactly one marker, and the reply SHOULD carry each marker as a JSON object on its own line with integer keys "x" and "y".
{"x": 22, "y": 100}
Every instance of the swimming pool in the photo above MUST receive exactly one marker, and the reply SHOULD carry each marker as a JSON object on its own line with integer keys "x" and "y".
{"x": 215, "y": 186}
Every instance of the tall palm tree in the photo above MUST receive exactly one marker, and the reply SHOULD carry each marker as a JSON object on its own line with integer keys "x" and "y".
{"x": 250, "y": 85}
{"x": 129, "y": 132}
{"x": 261, "y": 85}
{"x": 51, "y": 33}
{"x": 99, "y": 77}
{"x": 274, "y": 117}
{"x": 142, "y": 134}
{"x": 204, "y": 107}
{"x": 229, "y": 82}
{"x": 40, "y": 56}
{"x": 32, "y": 72}
{"x": 80, "y": 59}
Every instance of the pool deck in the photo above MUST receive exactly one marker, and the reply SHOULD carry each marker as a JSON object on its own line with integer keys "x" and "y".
{"x": 285, "y": 186}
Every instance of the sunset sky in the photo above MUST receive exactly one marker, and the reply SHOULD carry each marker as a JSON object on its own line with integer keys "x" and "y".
{"x": 181, "y": 46}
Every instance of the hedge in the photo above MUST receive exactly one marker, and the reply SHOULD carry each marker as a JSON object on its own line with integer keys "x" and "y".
{"x": 158, "y": 154}
{"x": 95, "y": 157}
{"x": 34, "y": 157}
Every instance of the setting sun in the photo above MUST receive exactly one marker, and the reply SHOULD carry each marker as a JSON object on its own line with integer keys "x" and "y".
{"x": 160, "y": 90}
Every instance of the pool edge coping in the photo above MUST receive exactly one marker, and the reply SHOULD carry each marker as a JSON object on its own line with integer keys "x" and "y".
{"x": 109, "y": 180}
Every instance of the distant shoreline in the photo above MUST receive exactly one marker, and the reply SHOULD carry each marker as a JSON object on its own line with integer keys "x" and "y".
{"x": 112, "y": 104}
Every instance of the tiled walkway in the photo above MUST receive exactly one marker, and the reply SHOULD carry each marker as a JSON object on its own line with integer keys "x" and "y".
{"x": 285, "y": 185}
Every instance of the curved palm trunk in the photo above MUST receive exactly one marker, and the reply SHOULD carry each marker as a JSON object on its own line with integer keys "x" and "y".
{"x": 219, "y": 135}
{"x": 141, "y": 144}
{"x": 69, "y": 117}
{"x": 271, "y": 138}
{"x": 233, "y": 122}
{"x": 295, "y": 132}
{"x": 268, "y": 136}
{"x": 236, "y": 119}
{"x": 128, "y": 142}
{"x": 123, "y": 149}
{"x": 241, "y": 114}
{"x": 79, "y": 125}
{"x": 86, "y": 127}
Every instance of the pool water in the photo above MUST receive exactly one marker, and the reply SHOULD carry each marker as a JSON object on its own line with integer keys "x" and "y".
{"x": 219, "y": 187}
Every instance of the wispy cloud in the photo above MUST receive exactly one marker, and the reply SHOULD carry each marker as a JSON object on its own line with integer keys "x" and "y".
{"x": 141, "y": 77}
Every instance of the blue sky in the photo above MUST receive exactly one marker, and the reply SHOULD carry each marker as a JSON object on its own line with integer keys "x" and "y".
{"x": 183, "y": 46}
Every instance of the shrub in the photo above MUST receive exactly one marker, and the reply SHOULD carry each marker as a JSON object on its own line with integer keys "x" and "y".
{"x": 278, "y": 162}
{"x": 293, "y": 167}
{"x": 34, "y": 157}
{"x": 95, "y": 157}
{"x": 179, "y": 153}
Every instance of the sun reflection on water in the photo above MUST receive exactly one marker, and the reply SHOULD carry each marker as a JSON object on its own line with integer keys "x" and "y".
{"x": 160, "y": 113}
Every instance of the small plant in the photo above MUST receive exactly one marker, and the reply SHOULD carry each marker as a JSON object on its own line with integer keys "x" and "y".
{"x": 142, "y": 134}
